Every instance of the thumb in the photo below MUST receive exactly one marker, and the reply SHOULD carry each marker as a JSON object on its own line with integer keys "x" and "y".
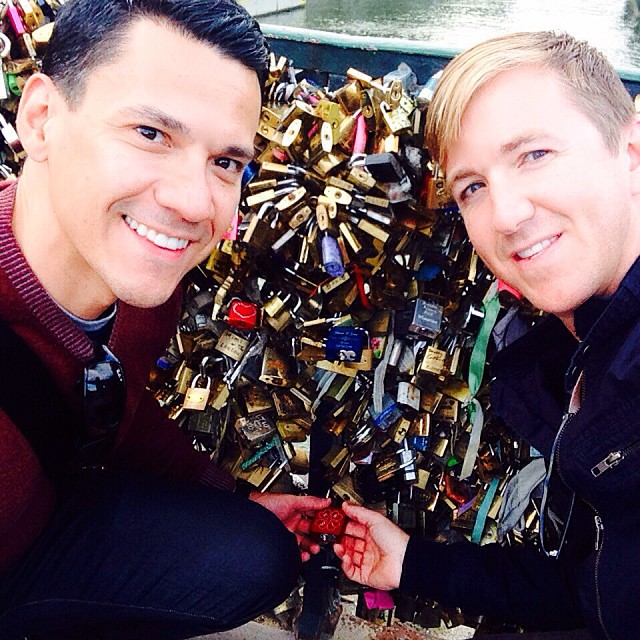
{"x": 315, "y": 502}
{"x": 360, "y": 514}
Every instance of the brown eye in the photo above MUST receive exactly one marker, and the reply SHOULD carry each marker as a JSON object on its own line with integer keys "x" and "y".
{"x": 150, "y": 133}
{"x": 230, "y": 165}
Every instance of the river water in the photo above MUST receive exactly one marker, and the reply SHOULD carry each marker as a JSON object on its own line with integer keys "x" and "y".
{"x": 611, "y": 25}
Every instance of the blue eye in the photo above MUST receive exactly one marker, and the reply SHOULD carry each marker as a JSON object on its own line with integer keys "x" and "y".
{"x": 470, "y": 190}
{"x": 535, "y": 155}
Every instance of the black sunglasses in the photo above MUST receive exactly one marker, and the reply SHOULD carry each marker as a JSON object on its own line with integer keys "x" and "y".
{"x": 557, "y": 504}
{"x": 105, "y": 395}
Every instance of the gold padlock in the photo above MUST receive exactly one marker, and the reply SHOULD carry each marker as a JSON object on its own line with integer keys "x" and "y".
{"x": 232, "y": 345}
{"x": 274, "y": 305}
{"x": 196, "y": 397}
{"x": 437, "y": 195}
{"x": 274, "y": 369}
{"x": 395, "y": 119}
{"x": 434, "y": 361}
{"x": 291, "y": 431}
{"x": 183, "y": 377}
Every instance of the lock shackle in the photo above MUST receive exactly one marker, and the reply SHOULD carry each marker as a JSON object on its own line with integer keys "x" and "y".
{"x": 197, "y": 377}
{"x": 5, "y": 172}
{"x": 206, "y": 361}
{"x": 264, "y": 209}
{"x": 5, "y": 45}
{"x": 296, "y": 306}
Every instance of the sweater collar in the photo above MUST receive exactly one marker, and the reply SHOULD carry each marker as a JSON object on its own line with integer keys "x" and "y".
{"x": 28, "y": 288}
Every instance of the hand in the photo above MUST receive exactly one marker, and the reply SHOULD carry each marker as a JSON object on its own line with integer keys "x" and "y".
{"x": 372, "y": 548}
{"x": 295, "y": 512}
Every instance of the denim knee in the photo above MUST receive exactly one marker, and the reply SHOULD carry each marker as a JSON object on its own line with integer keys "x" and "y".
{"x": 256, "y": 566}
{"x": 267, "y": 556}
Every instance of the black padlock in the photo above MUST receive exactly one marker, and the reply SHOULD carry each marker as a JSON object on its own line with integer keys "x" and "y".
{"x": 385, "y": 167}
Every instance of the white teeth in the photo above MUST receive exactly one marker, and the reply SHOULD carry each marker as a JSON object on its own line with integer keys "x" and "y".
{"x": 131, "y": 222}
{"x": 159, "y": 239}
{"x": 536, "y": 248}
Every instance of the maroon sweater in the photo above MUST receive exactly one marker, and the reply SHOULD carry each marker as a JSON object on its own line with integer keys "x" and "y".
{"x": 147, "y": 440}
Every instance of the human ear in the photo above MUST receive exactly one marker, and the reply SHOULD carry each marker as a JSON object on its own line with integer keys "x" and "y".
{"x": 633, "y": 150}
{"x": 35, "y": 110}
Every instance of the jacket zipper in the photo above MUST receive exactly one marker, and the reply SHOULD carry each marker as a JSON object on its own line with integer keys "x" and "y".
{"x": 596, "y": 573}
{"x": 608, "y": 462}
{"x": 597, "y": 518}
{"x": 599, "y": 529}
{"x": 612, "y": 459}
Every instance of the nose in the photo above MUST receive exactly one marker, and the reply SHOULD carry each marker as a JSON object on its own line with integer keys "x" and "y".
{"x": 511, "y": 208}
{"x": 186, "y": 188}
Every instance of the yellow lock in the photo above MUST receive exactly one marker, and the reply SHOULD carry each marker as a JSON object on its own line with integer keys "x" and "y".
{"x": 196, "y": 397}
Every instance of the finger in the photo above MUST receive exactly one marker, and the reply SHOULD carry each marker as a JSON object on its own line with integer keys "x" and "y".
{"x": 347, "y": 565}
{"x": 355, "y": 529}
{"x": 339, "y": 550}
{"x": 303, "y": 525}
{"x": 304, "y": 556}
{"x": 311, "y": 503}
{"x": 308, "y": 544}
{"x": 348, "y": 548}
{"x": 348, "y": 543}
{"x": 361, "y": 514}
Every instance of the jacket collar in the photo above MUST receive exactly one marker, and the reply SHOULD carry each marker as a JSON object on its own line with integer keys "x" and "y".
{"x": 599, "y": 316}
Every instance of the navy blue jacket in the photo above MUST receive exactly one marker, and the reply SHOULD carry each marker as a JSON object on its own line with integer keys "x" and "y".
{"x": 596, "y": 581}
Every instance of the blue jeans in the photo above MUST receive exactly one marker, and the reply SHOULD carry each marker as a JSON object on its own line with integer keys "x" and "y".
{"x": 130, "y": 556}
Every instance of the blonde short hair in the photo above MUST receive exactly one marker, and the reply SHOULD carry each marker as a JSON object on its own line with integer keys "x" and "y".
{"x": 593, "y": 84}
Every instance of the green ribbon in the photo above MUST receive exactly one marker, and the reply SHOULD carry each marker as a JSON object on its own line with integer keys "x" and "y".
{"x": 491, "y": 307}
{"x": 483, "y": 511}
{"x": 476, "y": 416}
{"x": 258, "y": 454}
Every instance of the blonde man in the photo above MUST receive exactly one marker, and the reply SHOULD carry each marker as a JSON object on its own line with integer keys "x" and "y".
{"x": 541, "y": 149}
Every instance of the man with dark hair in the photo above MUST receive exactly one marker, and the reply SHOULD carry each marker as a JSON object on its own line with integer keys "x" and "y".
{"x": 540, "y": 145}
{"x": 137, "y": 135}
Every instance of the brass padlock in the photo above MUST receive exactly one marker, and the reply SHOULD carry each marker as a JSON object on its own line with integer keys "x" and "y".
{"x": 232, "y": 345}
{"x": 183, "y": 376}
{"x": 275, "y": 304}
{"x": 437, "y": 196}
{"x": 396, "y": 119}
{"x": 196, "y": 397}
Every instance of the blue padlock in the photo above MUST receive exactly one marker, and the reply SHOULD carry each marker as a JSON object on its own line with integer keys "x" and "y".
{"x": 419, "y": 443}
{"x": 345, "y": 344}
{"x": 389, "y": 415}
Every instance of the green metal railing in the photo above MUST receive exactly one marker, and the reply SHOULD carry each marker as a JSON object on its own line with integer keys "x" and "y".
{"x": 333, "y": 53}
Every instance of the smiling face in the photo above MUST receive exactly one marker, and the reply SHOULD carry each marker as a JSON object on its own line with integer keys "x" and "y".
{"x": 546, "y": 204}
{"x": 135, "y": 185}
